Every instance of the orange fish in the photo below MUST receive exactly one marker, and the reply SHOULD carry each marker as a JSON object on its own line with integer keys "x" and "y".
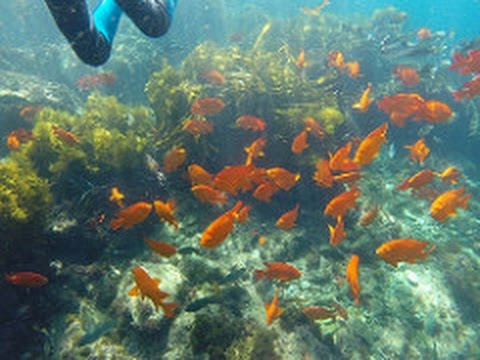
{"x": 353, "y": 69}
{"x": 213, "y": 77}
{"x": 242, "y": 216}
{"x": 300, "y": 143}
{"x": 469, "y": 91}
{"x": 174, "y": 159}
{"x": 161, "y": 248}
{"x": 18, "y": 137}
{"x": 265, "y": 191}
{"x": 340, "y": 204}
{"x": 249, "y": 122}
{"x": 301, "y": 63}
{"x": 207, "y": 106}
{"x": 165, "y": 211}
{"x": 199, "y": 176}
{"x": 341, "y": 161}
{"x": 400, "y": 107}
{"x": 466, "y": 64}
{"x": 323, "y": 176}
{"x": 278, "y": 271}
{"x": 424, "y": 33}
{"x": 198, "y": 127}
{"x": 408, "y": 250}
{"x": 220, "y": 228}
{"x": 288, "y": 219}
{"x": 319, "y": 313}
{"x": 205, "y": 193}
{"x": 369, "y": 216}
{"x": 337, "y": 233}
{"x": 352, "y": 277}
{"x": 116, "y": 196}
{"x": 66, "y": 137}
{"x": 132, "y": 215}
{"x": 283, "y": 178}
{"x": 349, "y": 178}
{"x": 370, "y": 146}
{"x": 261, "y": 240}
{"x": 446, "y": 204}
{"x": 336, "y": 59}
{"x": 272, "y": 309}
{"x": 417, "y": 181}
{"x": 29, "y": 112}
{"x": 148, "y": 287}
{"x": 314, "y": 128}
{"x": 235, "y": 178}
{"x": 450, "y": 175}
{"x": 418, "y": 151}
{"x": 407, "y": 75}
{"x": 255, "y": 150}
{"x": 316, "y": 10}
{"x": 26, "y": 279}
{"x": 434, "y": 112}
{"x": 365, "y": 100}
{"x": 90, "y": 82}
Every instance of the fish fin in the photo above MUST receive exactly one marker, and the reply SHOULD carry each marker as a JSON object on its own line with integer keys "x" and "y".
{"x": 278, "y": 312}
{"x": 428, "y": 252}
{"x": 116, "y": 224}
{"x": 259, "y": 274}
{"x": 156, "y": 281}
{"x": 168, "y": 309}
{"x": 464, "y": 201}
{"x": 134, "y": 291}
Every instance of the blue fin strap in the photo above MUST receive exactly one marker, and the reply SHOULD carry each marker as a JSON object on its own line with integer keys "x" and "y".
{"x": 106, "y": 18}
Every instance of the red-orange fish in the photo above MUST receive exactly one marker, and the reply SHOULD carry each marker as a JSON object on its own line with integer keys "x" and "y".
{"x": 300, "y": 143}
{"x": 265, "y": 191}
{"x": 213, "y": 77}
{"x": 467, "y": 64}
{"x": 469, "y": 91}
{"x": 165, "y": 211}
{"x": 336, "y": 59}
{"x": 18, "y": 137}
{"x": 407, "y": 75}
{"x": 450, "y": 175}
{"x": 353, "y": 69}
{"x": 132, "y": 215}
{"x": 220, "y": 228}
{"x": 348, "y": 178}
{"x": 207, "y": 106}
{"x": 353, "y": 277}
{"x": 340, "y": 204}
{"x": 408, "y": 250}
{"x": 424, "y": 33}
{"x": 29, "y": 112}
{"x": 418, "y": 151}
{"x": 446, "y": 204}
{"x": 243, "y": 215}
{"x": 272, "y": 309}
{"x": 341, "y": 161}
{"x": 233, "y": 179}
{"x": 91, "y": 82}
{"x": 301, "y": 63}
{"x": 161, "y": 248}
{"x": 337, "y": 233}
{"x": 283, "y": 178}
{"x": 420, "y": 179}
{"x": 320, "y": 313}
{"x": 323, "y": 176}
{"x": 314, "y": 128}
{"x": 255, "y": 150}
{"x": 198, "y": 127}
{"x": 199, "y": 176}
{"x": 369, "y": 216}
{"x": 370, "y": 146}
{"x": 365, "y": 100}
{"x": 433, "y": 111}
{"x": 205, "y": 193}
{"x": 174, "y": 159}
{"x": 249, "y": 122}
{"x": 148, "y": 287}
{"x": 400, "y": 107}
{"x": 65, "y": 136}
{"x": 278, "y": 271}
{"x": 288, "y": 219}
{"x": 26, "y": 279}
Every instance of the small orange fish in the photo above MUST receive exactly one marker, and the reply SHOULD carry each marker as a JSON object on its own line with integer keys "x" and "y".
{"x": 301, "y": 63}
{"x": 369, "y": 216}
{"x": 340, "y": 204}
{"x": 349, "y": 178}
{"x": 148, "y": 287}
{"x": 207, "y": 106}
{"x": 262, "y": 241}
{"x": 26, "y": 279}
{"x": 466, "y": 64}
{"x": 220, "y": 228}
{"x": 370, "y": 146}
{"x": 116, "y": 196}
{"x": 407, "y": 75}
{"x": 66, "y": 137}
{"x": 199, "y": 176}
{"x": 272, "y": 309}
{"x": 161, "y": 248}
{"x": 243, "y": 215}
{"x": 446, "y": 204}
{"x": 469, "y": 90}
{"x": 94, "y": 81}
{"x": 400, "y": 107}
{"x": 316, "y": 10}
{"x": 433, "y": 112}
{"x": 132, "y": 215}
{"x": 278, "y": 271}
{"x": 249, "y": 122}
{"x": 198, "y": 127}
{"x": 450, "y": 175}
{"x": 29, "y": 112}
{"x": 408, "y": 250}
{"x": 353, "y": 277}
{"x": 337, "y": 233}
{"x": 235, "y": 178}
{"x": 288, "y": 219}
{"x": 165, "y": 210}
{"x": 319, "y": 313}
{"x": 265, "y": 191}
{"x": 213, "y": 77}
{"x": 300, "y": 143}
{"x": 314, "y": 128}
{"x": 341, "y": 161}
{"x": 418, "y": 151}
{"x": 424, "y": 33}
{"x": 18, "y": 137}
{"x": 336, "y": 59}
{"x": 255, "y": 150}
{"x": 365, "y": 100}
{"x": 323, "y": 176}
{"x": 174, "y": 159}
{"x": 205, "y": 193}
{"x": 420, "y": 179}
{"x": 353, "y": 69}
{"x": 283, "y": 178}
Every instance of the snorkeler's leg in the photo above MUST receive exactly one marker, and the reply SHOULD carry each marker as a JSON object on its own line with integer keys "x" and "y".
{"x": 91, "y": 40}
{"x": 152, "y": 17}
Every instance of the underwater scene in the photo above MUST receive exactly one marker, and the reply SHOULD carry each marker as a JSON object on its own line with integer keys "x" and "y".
{"x": 270, "y": 179}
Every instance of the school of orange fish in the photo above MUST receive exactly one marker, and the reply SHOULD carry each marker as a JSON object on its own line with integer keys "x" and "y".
{"x": 345, "y": 165}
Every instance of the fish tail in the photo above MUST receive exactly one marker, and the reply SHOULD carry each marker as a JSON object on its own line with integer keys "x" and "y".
{"x": 259, "y": 274}
{"x": 116, "y": 224}
{"x": 168, "y": 309}
{"x": 459, "y": 61}
{"x": 237, "y": 207}
{"x": 458, "y": 95}
{"x": 428, "y": 252}
{"x": 464, "y": 201}
{"x": 403, "y": 186}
